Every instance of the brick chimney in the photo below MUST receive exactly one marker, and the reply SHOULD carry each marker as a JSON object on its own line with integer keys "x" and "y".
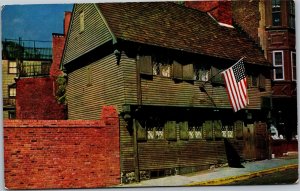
{"x": 58, "y": 44}
{"x": 221, "y": 10}
{"x": 67, "y": 21}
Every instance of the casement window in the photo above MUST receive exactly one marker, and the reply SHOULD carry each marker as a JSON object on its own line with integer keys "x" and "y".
{"x": 276, "y": 12}
{"x": 291, "y": 13}
{"x": 278, "y": 64}
{"x": 12, "y": 92}
{"x": 81, "y": 22}
{"x": 293, "y": 62}
{"x": 201, "y": 73}
{"x": 227, "y": 131}
{"x": 149, "y": 130}
{"x": 195, "y": 130}
{"x": 12, "y": 67}
{"x": 161, "y": 66}
{"x": 155, "y": 129}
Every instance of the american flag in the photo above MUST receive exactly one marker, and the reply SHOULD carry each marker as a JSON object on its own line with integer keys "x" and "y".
{"x": 236, "y": 85}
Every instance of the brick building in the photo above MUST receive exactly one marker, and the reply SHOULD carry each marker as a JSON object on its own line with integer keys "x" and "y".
{"x": 272, "y": 25}
{"x": 36, "y": 96}
{"x": 21, "y": 58}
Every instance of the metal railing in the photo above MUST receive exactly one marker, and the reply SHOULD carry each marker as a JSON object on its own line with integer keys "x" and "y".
{"x": 34, "y": 69}
{"x": 26, "y": 49}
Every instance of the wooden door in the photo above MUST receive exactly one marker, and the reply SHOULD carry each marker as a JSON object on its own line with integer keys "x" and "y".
{"x": 261, "y": 143}
{"x": 249, "y": 147}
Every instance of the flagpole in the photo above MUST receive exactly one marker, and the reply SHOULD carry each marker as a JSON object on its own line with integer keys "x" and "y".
{"x": 202, "y": 87}
{"x": 222, "y": 71}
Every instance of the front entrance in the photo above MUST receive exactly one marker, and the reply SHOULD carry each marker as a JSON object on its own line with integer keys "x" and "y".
{"x": 256, "y": 141}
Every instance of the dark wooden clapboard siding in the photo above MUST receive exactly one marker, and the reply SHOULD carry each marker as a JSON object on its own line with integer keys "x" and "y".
{"x": 128, "y": 66}
{"x": 163, "y": 154}
{"x": 85, "y": 100}
{"x": 95, "y": 32}
{"x": 126, "y": 144}
{"x": 164, "y": 91}
{"x": 255, "y": 95}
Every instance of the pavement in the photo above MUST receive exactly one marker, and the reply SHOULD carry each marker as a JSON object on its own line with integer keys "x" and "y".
{"x": 223, "y": 175}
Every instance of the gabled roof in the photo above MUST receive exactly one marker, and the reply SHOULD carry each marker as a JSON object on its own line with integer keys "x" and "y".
{"x": 170, "y": 25}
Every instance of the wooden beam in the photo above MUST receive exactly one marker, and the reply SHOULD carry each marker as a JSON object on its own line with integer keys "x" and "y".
{"x": 135, "y": 152}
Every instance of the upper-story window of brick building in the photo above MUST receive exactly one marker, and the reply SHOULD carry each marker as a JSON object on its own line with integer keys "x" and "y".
{"x": 293, "y": 61}
{"x": 12, "y": 92}
{"x": 12, "y": 67}
{"x": 276, "y": 12}
{"x": 292, "y": 14}
{"x": 278, "y": 64}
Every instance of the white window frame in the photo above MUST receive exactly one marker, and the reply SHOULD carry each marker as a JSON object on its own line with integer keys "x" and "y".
{"x": 12, "y": 91}
{"x": 292, "y": 66}
{"x": 12, "y": 69}
{"x": 278, "y": 66}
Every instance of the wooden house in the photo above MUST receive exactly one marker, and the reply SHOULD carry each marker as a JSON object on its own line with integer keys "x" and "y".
{"x": 153, "y": 61}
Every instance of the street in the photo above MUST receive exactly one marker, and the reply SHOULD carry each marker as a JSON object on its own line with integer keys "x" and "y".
{"x": 288, "y": 176}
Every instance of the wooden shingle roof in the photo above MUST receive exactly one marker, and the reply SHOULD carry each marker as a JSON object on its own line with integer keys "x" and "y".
{"x": 170, "y": 25}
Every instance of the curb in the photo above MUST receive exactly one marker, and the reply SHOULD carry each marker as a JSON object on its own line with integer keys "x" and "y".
{"x": 230, "y": 179}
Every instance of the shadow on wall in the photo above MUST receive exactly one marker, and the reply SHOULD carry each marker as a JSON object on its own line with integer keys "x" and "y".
{"x": 233, "y": 158}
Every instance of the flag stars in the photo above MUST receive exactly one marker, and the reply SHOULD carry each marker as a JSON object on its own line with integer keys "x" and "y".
{"x": 239, "y": 71}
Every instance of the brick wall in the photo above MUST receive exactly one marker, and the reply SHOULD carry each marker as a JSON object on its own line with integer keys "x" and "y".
{"x": 220, "y": 10}
{"x": 67, "y": 21}
{"x": 43, "y": 154}
{"x": 246, "y": 14}
{"x": 36, "y": 99}
{"x": 58, "y": 44}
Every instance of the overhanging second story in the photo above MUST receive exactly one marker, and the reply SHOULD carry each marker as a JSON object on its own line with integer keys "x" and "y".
{"x": 156, "y": 54}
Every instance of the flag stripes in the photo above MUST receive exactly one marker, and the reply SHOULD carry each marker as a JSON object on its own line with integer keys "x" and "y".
{"x": 236, "y": 86}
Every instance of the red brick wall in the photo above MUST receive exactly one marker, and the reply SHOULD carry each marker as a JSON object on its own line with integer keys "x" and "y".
{"x": 58, "y": 43}
{"x": 35, "y": 99}
{"x": 246, "y": 15}
{"x": 220, "y": 10}
{"x": 67, "y": 21}
{"x": 44, "y": 154}
{"x": 279, "y": 147}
